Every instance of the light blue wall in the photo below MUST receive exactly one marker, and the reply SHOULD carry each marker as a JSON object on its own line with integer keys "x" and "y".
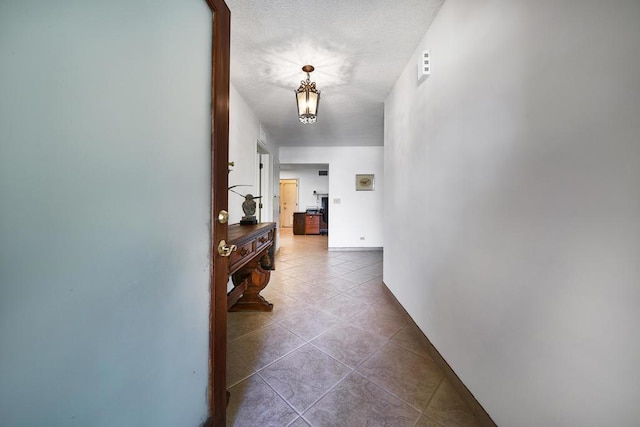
{"x": 104, "y": 210}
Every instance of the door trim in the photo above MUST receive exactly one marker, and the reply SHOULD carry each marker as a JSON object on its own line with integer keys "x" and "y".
{"x": 218, "y": 275}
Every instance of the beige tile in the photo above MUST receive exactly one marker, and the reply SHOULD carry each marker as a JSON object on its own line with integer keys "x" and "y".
{"x": 299, "y": 422}
{"x": 317, "y": 276}
{"x": 270, "y": 292}
{"x": 285, "y": 300}
{"x": 412, "y": 378}
{"x": 388, "y": 302}
{"x": 299, "y": 262}
{"x": 282, "y": 267}
{"x": 311, "y": 292}
{"x": 308, "y": 324}
{"x": 280, "y": 274}
{"x": 339, "y": 284}
{"x": 242, "y": 323}
{"x": 369, "y": 291}
{"x": 254, "y": 403}
{"x": 284, "y": 284}
{"x": 336, "y": 270}
{"x": 237, "y": 367}
{"x": 363, "y": 257}
{"x": 448, "y": 408}
{"x": 425, "y": 421}
{"x": 298, "y": 271}
{"x": 359, "y": 402}
{"x": 342, "y": 306}
{"x": 357, "y": 320}
{"x": 303, "y": 376}
{"x": 261, "y": 347}
{"x": 361, "y": 276}
{"x": 348, "y": 344}
{"x": 349, "y": 266}
{"x": 375, "y": 281}
{"x": 285, "y": 306}
{"x": 334, "y": 261}
{"x": 378, "y": 321}
{"x": 411, "y": 338}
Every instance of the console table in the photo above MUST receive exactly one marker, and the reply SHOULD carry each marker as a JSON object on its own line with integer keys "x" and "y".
{"x": 250, "y": 265}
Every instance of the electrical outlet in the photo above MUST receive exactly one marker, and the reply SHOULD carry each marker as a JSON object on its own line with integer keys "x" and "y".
{"x": 336, "y": 201}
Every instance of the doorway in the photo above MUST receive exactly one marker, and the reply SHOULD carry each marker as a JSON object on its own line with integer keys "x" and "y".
{"x": 288, "y": 201}
{"x": 264, "y": 183}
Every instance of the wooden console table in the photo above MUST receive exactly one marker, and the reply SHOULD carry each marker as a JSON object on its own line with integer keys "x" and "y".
{"x": 250, "y": 265}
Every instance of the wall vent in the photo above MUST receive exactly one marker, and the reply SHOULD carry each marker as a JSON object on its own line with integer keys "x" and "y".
{"x": 424, "y": 65}
{"x": 323, "y": 173}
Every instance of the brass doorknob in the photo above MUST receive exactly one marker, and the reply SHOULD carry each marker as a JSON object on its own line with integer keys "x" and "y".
{"x": 223, "y": 216}
{"x": 225, "y": 250}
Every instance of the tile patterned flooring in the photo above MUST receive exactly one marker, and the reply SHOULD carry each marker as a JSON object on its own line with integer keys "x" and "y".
{"x": 337, "y": 350}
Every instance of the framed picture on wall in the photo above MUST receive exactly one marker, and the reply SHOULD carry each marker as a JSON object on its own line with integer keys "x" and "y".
{"x": 365, "y": 182}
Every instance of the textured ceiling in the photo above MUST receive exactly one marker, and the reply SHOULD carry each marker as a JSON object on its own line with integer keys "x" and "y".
{"x": 358, "y": 48}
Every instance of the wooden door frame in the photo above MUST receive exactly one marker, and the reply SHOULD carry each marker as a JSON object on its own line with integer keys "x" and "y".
{"x": 218, "y": 275}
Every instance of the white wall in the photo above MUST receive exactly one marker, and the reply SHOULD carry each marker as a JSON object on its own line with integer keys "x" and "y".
{"x": 308, "y": 182}
{"x": 104, "y": 211}
{"x": 520, "y": 154}
{"x": 358, "y": 213}
{"x": 244, "y": 133}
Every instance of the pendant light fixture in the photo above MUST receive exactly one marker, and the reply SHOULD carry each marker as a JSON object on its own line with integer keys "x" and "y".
{"x": 307, "y": 98}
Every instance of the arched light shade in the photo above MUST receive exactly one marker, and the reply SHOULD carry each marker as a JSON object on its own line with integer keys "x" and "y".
{"x": 307, "y": 98}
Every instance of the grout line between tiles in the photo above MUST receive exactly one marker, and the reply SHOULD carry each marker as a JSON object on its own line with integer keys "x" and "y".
{"x": 390, "y": 391}
{"x": 279, "y": 395}
{"x": 435, "y": 392}
{"x": 279, "y": 358}
{"x": 343, "y": 379}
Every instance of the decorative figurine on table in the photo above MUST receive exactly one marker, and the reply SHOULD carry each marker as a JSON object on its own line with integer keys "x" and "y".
{"x": 248, "y": 206}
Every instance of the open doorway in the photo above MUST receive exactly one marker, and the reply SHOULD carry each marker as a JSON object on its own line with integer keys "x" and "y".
{"x": 312, "y": 198}
{"x": 288, "y": 201}
{"x": 264, "y": 183}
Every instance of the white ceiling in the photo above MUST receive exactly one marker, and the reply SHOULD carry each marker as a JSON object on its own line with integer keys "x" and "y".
{"x": 358, "y": 47}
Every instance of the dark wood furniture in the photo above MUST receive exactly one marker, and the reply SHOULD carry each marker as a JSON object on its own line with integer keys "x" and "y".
{"x": 250, "y": 265}
{"x": 306, "y": 223}
{"x": 298, "y": 223}
{"x": 312, "y": 223}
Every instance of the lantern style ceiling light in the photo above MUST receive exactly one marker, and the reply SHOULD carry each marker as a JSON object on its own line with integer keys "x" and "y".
{"x": 308, "y": 98}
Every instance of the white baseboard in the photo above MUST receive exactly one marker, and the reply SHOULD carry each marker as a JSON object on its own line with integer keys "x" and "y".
{"x": 342, "y": 249}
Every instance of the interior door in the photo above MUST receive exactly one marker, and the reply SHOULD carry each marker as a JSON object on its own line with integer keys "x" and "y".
{"x": 219, "y": 204}
{"x": 265, "y": 183}
{"x": 288, "y": 201}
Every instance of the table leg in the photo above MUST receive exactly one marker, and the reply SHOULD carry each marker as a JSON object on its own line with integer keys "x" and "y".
{"x": 255, "y": 279}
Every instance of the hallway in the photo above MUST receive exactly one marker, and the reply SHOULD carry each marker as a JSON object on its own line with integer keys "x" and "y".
{"x": 337, "y": 350}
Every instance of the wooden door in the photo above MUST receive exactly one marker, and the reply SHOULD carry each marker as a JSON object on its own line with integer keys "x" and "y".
{"x": 219, "y": 202}
{"x": 288, "y": 201}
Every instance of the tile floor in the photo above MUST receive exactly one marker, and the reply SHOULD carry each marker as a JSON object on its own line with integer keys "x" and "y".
{"x": 337, "y": 350}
